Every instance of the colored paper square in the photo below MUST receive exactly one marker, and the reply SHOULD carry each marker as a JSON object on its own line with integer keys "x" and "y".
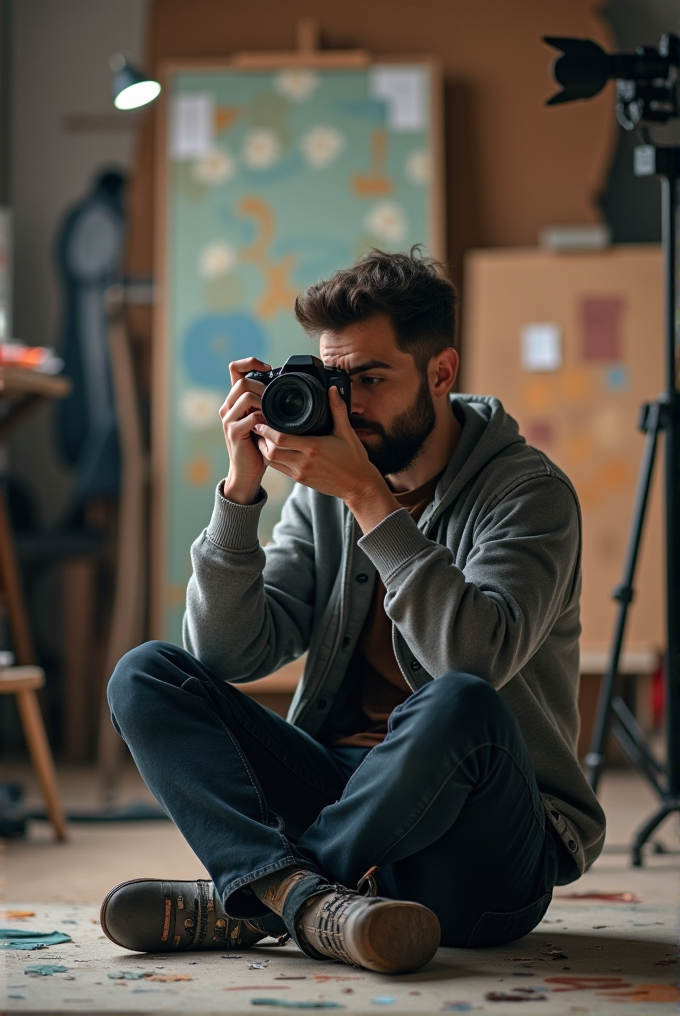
{"x": 601, "y": 328}
{"x": 540, "y": 346}
{"x": 617, "y": 379}
{"x": 540, "y": 433}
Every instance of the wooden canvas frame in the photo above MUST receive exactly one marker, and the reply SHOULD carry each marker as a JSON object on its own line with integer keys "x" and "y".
{"x": 305, "y": 56}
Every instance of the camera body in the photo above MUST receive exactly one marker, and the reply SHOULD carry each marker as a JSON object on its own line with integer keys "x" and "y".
{"x": 295, "y": 399}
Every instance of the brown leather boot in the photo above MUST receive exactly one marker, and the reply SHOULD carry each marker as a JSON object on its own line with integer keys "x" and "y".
{"x": 150, "y": 915}
{"x": 388, "y": 936}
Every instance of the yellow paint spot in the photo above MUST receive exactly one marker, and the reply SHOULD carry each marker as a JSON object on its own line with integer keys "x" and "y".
{"x": 646, "y": 993}
{"x": 615, "y": 474}
{"x": 375, "y": 183}
{"x": 538, "y": 395}
{"x": 197, "y": 471}
{"x": 225, "y": 116}
{"x": 575, "y": 384}
{"x": 578, "y": 448}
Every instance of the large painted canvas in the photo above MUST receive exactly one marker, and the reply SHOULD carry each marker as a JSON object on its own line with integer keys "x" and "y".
{"x": 272, "y": 179}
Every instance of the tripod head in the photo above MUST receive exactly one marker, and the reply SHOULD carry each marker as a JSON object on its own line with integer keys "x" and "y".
{"x": 646, "y": 80}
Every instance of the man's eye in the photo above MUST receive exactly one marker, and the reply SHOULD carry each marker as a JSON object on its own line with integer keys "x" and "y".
{"x": 371, "y": 380}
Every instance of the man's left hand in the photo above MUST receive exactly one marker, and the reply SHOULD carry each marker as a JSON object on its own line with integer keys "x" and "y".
{"x": 337, "y": 465}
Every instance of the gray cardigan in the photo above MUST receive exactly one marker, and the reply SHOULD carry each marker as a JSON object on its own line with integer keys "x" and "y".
{"x": 487, "y": 582}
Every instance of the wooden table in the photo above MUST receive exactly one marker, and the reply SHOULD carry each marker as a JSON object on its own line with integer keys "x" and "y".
{"x": 21, "y": 393}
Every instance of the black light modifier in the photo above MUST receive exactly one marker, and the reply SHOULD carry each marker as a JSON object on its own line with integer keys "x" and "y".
{"x": 645, "y": 79}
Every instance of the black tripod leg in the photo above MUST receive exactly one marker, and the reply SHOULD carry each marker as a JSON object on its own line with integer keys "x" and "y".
{"x": 624, "y": 594}
{"x": 667, "y": 807}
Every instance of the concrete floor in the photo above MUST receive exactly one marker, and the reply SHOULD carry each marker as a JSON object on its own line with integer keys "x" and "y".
{"x": 584, "y": 941}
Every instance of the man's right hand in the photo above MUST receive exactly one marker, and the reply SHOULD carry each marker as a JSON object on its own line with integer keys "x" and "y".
{"x": 239, "y": 413}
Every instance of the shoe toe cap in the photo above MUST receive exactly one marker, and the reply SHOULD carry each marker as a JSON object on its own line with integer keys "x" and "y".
{"x": 138, "y": 916}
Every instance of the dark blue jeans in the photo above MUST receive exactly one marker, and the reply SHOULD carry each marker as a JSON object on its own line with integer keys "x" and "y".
{"x": 447, "y": 806}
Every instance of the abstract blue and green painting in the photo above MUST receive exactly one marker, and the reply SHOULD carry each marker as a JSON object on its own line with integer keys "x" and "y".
{"x": 275, "y": 179}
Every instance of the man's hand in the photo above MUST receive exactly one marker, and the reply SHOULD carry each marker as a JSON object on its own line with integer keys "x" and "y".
{"x": 240, "y": 412}
{"x": 337, "y": 465}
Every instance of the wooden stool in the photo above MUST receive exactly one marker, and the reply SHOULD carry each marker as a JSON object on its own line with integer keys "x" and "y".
{"x": 24, "y": 682}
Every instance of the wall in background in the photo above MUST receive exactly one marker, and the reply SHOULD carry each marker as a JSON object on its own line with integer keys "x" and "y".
{"x": 61, "y": 49}
{"x": 61, "y": 89}
{"x": 513, "y": 166}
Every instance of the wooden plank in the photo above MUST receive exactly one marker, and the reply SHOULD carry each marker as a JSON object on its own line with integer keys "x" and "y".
{"x": 16, "y": 381}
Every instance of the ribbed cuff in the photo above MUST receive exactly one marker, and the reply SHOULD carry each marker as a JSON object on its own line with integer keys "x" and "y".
{"x": 234, "y": 526}
{"x": 393, "y": 542}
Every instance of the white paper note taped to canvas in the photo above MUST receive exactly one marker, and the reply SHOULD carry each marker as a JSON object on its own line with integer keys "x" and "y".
{"x": 540, "y": 346}
{"x": 191, "y": 125}
{"x": 404, "y": 90}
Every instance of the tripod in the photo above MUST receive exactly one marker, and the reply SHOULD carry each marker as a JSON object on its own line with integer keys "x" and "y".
{"x": 663, "y": 415}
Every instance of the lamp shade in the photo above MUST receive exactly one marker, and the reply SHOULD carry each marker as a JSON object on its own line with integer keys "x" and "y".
{"x": 131, "y": 87}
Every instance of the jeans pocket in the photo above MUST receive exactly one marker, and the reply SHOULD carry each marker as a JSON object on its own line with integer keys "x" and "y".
{"x": 494, "y": 929}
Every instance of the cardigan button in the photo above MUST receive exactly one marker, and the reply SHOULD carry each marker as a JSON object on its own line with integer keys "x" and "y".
{"x": 415, "y": 665}
{"x": 362, "y": 577}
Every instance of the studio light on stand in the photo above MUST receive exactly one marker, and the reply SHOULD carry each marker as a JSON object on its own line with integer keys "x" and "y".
{"x": 131, "y": 87}
{"x": 647, "y": 101}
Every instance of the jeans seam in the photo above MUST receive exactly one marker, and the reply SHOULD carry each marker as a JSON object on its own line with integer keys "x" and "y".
{"x": 443, "y": 784}
{"x": 252, "y": 876}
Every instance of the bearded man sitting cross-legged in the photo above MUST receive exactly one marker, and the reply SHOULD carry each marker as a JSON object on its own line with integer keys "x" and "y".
{"x": 425, "y": 786}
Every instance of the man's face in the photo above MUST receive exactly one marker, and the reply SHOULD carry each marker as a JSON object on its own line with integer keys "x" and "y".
{"x": 392, "y": 409}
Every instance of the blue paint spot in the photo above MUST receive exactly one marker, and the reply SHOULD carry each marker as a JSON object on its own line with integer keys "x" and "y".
{"x": 617, "y": 379}
{"x": 213, "y": 341}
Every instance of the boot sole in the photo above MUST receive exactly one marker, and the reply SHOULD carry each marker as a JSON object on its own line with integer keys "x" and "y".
{"x": 395, "y": 937}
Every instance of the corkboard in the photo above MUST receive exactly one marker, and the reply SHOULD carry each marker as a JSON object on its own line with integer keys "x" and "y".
{"x": 608, "y": 311}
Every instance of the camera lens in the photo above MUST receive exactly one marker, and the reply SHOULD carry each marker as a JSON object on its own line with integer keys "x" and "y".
{"x": 297, "y": 404}
{"x": 290, "y": 403}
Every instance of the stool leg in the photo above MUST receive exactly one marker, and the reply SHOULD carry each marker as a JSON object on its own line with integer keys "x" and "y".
{"x": 41, "y": 756}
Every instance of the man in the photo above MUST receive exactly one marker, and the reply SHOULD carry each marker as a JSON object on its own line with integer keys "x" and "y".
{"x": 425, "y": 786}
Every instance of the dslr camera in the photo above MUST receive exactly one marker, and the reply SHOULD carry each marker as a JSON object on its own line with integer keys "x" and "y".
{"x": 295, "y": 400}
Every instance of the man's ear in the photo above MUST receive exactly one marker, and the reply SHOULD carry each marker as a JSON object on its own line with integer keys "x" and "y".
{"x": 443, "y": 371}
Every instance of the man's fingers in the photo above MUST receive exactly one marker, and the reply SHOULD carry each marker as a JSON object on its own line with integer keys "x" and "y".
{"x": 277, "y": 437}
{"x": 239, "y": 368}
{"x": 276, "y": 451}
{"x": 339, "y": 411}
{"x": 240, "y": 401}
{"x": 239, "y": 429}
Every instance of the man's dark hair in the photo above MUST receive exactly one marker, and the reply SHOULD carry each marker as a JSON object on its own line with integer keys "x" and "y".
{"x": 411, "y": 290}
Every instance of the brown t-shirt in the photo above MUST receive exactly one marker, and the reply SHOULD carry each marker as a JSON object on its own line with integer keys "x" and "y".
{"x": 373, "y": 669}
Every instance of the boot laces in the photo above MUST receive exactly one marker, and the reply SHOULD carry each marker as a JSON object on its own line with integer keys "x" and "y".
{"x": 330, "y": 920}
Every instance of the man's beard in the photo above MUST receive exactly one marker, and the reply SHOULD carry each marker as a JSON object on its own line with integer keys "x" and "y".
{"x": 403, "y": 443}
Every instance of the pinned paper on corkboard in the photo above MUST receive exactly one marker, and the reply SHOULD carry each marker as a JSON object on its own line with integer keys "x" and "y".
{"x": 601, "y": 318}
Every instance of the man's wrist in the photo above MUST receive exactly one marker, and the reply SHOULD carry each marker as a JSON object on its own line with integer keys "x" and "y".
{"x": 238, "y": 494}
{"x": 371, "y": 504}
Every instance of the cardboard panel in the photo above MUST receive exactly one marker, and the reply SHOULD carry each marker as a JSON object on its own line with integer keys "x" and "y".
{"x": 576, "y": 389}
